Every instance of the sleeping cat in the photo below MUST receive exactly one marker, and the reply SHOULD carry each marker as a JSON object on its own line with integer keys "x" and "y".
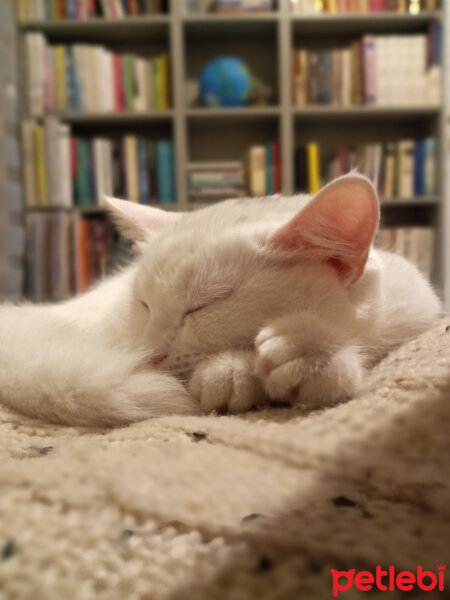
{"x": 249, "y": 299}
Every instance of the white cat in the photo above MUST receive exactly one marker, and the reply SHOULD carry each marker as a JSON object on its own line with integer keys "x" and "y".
{"x": 249, "y": 299}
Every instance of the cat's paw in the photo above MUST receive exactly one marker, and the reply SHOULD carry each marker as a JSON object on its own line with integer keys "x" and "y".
{"x": 304, "y": 365}
{"x": 226, "y": 383}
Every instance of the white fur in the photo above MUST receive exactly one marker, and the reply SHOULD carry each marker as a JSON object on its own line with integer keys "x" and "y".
{"x": 89, "y": 360}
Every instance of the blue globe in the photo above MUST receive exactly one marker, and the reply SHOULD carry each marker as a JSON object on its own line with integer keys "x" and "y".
{"x": 225, "y": 81}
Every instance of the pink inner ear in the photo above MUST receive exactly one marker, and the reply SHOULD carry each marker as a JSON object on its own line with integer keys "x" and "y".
{"x": 337, "y": 226}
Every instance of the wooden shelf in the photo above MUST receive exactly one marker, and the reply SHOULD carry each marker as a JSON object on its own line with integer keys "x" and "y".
{"x": 89, "y": 210}
{"x": 115, "y": 118}
{"x": 327, "y": 24}
{"x": 245, "y": 112}
{"x": 409, "y": 202}
{"x": 230, "y": 26}
{"x": 98, "y": 29}
{"x": 81, "y": 209}
{"x": 397, "y": 112}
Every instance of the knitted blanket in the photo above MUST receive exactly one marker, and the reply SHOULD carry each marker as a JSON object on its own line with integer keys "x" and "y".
{"x": 259, "y": 506}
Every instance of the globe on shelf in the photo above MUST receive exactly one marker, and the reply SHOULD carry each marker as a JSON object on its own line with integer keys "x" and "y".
{"x": 227, "y": 81}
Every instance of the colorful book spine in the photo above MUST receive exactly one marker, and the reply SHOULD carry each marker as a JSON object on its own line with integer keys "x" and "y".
{"x": 72, "y": 9}
{"x": 419, "y": 168}
{"x": 165, "y": 166}
{"x": 144, "y": 180}
{"x": 313, "y": 167}
{"x": 369, "y": 70}
{"x": 430, "y": 167}
{"x": 128, "y": 72}
{"x": 61, "y": 84}
{"x": 82, "y": 181}
{"x": 276, "y": 153}
{"x": 118, "y": 78}
{"x": 162, "y": 69}
{"x": 131, "y": 162}
{"x": 256, "y": 166}
{"x": 39, "y": 160}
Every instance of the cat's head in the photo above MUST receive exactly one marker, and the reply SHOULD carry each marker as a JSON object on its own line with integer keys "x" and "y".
{"x": 211, "y": 279}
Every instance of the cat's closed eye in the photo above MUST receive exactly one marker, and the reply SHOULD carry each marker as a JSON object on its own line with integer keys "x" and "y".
{"x": 196, "y": 309}
{"x": 220, "y": 296}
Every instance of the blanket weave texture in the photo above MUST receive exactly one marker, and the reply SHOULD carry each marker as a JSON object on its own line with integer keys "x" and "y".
{"x": 259, "y": 506}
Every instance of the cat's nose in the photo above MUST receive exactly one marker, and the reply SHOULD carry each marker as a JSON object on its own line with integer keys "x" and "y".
{"x": 158, "y": 358}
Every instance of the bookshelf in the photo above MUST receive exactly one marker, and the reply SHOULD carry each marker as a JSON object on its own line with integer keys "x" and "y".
{"x": 266, "y": 42}
{"x": 11, "y": 231}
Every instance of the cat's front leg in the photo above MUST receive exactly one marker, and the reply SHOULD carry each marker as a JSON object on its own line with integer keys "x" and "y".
{"x": 303, "y": 358}
{"x": 226, "y": 383}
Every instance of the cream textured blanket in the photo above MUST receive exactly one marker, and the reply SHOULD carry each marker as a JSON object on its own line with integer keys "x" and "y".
{"x": 259, "y": 506}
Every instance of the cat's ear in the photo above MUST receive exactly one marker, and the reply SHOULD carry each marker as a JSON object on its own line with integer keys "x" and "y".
{"x": 337, "y": 226}
{"x": 136, "y": 221}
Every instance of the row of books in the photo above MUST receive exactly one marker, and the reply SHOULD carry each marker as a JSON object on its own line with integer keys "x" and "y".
{"x": 66, "y": 254}
{"x": 259, "y": 174}
{"x": 414, "y": 243}
{"x": 401, "y": 170}
{"x": 89, "y": 78}
{"x": 383, "y": 70}
{"x": 228, "y": 6}
{"x": 362, "y": 6}
{"x": 83, "y": 9}
{"x": 243, "y": 6}
{"x": 210, "y": 181}
{"x": 61, "y": 170}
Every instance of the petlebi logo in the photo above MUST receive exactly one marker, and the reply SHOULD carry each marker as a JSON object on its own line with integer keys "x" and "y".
{"x": 388, "y": 580}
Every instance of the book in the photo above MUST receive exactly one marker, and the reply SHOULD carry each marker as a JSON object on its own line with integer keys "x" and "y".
{"x": 29, "y": 165}
{"x": 300, "y": 77}
{"x": 162, "y": 81}
{"x": 52, "y": 167}
{"x": 40, "y": 164}
{"x": 419, "y": 168}
{"x": 369, "y": 68}
{"x": 129, "y": 83}
{"x": 256, "y": 170}
{"x": 165, "y": 168}
{"x": 430, "y": 167}
{"x": 390, "y": 187}
{"x": 144, "y": 171}
{"x": 276, "y": 153}
{"x": 131, "y": 170}
{"x": 119, "y": 95}
{"x": 313, "y": 167}
{"x": 141, "y": 99}
{"x": 406, "y": 168}
{"x": 83, "y": 196}
{"x": 60, "y": 72}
